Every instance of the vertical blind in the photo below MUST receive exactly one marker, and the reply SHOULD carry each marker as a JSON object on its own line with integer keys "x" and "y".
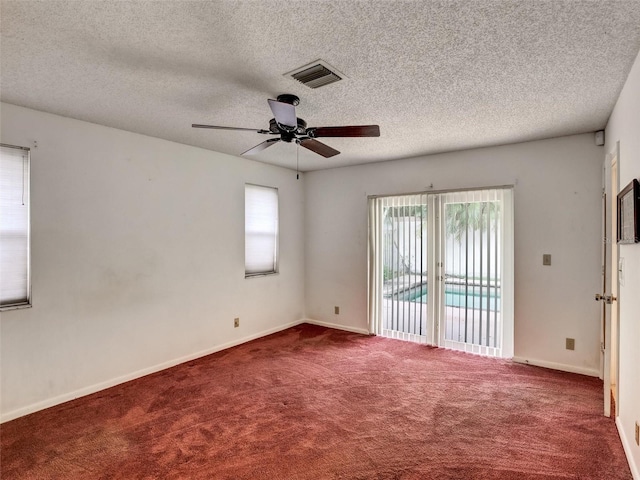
{"x": 398, "y": 267}
{"x": 404, "y": 257}
{"x": 472, "y": 262}
{"x": 14, "y": 226}
{"x": 261, "y": 230}
{"x": 440, "y": 269}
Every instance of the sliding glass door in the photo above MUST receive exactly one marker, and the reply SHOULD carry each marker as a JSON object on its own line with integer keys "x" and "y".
{"x": 441, "y": 269}
{"x": 404, "y": 267}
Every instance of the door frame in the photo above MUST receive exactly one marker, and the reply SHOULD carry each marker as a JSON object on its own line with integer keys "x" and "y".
{"x": 610, "y": 336}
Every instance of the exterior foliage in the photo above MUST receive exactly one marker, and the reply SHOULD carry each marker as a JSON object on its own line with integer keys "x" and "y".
{"x": 464, "y": 217}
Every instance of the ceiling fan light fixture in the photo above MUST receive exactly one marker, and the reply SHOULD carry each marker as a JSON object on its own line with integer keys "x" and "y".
{"x": 316, "y": 74}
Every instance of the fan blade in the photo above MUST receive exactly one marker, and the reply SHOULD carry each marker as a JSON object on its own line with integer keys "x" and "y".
{"x": 355, "y": 131}
{"x": 195, "y": 125}
{"x": 318, "y": 147}
{"x": 261, "y": 146}
{"x": 285, "y": 113}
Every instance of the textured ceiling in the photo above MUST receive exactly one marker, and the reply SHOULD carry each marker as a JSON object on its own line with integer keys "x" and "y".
{"x": 435, "y": 75}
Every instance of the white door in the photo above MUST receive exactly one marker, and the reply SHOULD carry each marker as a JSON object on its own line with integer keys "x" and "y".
{"x": 609, "y": 296}
{"x": 615, "y": 325}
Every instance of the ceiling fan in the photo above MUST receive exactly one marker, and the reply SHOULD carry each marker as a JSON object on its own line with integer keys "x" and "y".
{"x": 289, "y": 128}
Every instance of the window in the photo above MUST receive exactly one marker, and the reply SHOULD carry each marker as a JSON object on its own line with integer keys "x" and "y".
{"x": 14, "y": 227}
{"x": 260, "y": 230}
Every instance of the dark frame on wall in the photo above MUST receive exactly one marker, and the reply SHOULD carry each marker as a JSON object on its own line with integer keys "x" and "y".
{"x": 628, "y": 212}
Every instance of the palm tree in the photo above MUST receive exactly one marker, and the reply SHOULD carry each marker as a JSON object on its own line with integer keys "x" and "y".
{"x": 474, "y": 216}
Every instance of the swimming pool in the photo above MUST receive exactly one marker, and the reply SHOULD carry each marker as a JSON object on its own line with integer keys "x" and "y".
{"x": 459, "y": 296}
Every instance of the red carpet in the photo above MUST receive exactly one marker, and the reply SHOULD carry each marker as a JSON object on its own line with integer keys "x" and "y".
{"x": 314, "y": 403}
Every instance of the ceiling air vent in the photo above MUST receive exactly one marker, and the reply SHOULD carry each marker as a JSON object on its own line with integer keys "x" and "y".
{"x": 316, "y": 74}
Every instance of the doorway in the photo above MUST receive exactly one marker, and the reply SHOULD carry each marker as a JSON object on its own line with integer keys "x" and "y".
{"x": 441, "y": 269}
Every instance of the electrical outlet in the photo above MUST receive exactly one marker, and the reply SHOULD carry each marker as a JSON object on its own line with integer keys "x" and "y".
{"x": 570, "y": 344}
{"x": 236, "y": 322}
{"x": 546, "y": 259}
{"x": 336, "y": 310}
{"x": 637, "y": 433}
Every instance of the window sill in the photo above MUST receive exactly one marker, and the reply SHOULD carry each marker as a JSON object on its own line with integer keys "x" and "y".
{"x": 258, "y": 275}
{"x": 15, "y": 307}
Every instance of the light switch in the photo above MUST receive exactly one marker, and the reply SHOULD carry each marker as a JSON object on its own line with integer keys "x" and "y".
{"x": 546, "y": 259}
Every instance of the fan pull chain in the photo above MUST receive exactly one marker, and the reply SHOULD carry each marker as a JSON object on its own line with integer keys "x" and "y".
{"x": 297, "y": 161}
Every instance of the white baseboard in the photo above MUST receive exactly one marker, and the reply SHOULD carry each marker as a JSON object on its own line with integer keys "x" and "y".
{"x": 50, "y": 402}
{"x": 635, "y": 469}
{"x": 591, "y": 372}
{"x": 363, "y": 331}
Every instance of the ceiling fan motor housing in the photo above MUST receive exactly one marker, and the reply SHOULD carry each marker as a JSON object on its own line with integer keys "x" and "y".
{"x": 286, "y": 131}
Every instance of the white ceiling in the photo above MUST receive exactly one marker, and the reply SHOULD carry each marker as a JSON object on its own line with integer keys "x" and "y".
{"x": 435, "y": 75}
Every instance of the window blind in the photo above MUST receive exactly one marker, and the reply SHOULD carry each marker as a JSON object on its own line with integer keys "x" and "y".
{"x": 261, "y": 230}
{"x": 404, "y": 267}
{"x": 14, "y": 226}
{"x": 441, "y": 269}
{"x": 473, "y": 257}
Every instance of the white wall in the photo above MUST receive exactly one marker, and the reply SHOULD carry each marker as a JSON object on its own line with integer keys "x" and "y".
{"x": 624, "y": 126}
{"x": 137, "y": 258}
{"x": 557, "y": 210}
